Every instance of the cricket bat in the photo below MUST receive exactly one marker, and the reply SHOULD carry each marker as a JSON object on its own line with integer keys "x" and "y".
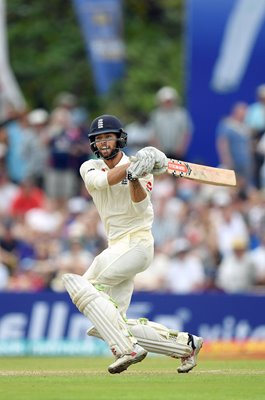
{"x": 201, "y": 173}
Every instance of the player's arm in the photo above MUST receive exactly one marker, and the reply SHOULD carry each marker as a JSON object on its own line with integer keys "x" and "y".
{"x": 137, "y": 191}
{"x": 117, "y": 174}
{"x": 95, "y": 178}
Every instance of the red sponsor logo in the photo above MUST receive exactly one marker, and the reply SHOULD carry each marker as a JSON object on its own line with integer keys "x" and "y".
{"x": 178, "y": 166}
{"x": 149, "y": 186}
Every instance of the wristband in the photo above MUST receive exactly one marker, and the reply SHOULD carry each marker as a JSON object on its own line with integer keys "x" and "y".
{"x": 130, "y": 178}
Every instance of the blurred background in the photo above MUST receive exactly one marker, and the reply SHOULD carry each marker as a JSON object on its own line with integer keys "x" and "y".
{"x": 186, "y": 76}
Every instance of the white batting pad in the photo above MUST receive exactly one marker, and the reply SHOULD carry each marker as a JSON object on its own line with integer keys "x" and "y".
{"x": 155, "y": 338}
{"x": 102, "y": 313}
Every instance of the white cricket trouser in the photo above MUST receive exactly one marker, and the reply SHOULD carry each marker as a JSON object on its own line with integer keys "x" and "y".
{"x": 116, "y": 266}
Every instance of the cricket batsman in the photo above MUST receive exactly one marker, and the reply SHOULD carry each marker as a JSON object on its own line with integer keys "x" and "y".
{"x": 121, "y": 192}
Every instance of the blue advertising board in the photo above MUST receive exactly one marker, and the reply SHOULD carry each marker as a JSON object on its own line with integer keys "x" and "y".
{"x": 48, "y": 323}
{"x": 225, "y": 46}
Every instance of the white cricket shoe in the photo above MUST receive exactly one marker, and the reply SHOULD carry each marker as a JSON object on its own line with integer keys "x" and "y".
{"x": 190, "y": 362}
{"x": 123, "y": 362}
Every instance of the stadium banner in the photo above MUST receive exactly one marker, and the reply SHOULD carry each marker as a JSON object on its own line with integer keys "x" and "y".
{"x": 101, "y": 23}
{"x": 224, "y": 53}
{"x": 48, "y": 323}
{"x": 10, "y": 92}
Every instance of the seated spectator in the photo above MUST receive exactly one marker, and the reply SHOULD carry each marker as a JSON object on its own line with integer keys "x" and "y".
{"x": 185, "y": 272}
{"x": 167, "y": 209}
{"x": 8, "y": 191}
{"x": 153, "y": 278}
{"x": 255, "y": 119}
{"x": 29, "y": 196}
{"x": 25, "y": 282}
{"x": 74, "y": 260}
{"x": 258, "y": 258}
{"x": 236, "y": 272}
{"x": 228, "y": 221}
{"x": 9, "y": 245}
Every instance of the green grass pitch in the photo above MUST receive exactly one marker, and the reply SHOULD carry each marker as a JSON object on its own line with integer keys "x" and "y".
{"x": 67, "y": 378}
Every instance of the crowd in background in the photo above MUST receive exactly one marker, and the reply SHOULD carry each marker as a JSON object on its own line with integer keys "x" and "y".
{"x": 207, "y": 238}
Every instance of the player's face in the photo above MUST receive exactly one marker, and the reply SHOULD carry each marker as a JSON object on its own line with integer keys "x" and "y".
{"x": 106, "y": 143}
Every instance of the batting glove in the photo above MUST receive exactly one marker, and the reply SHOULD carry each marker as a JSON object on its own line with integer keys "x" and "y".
{"x": 142, "y": 165}
{"x": 161, "y": 161}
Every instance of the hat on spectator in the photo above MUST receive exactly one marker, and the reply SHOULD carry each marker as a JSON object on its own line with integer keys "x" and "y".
{"x": 239, "y": 244}
{"x": 166, "y": 93}
{"x": 38, "y": 117}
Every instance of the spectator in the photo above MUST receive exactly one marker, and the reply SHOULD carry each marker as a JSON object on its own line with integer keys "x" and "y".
{"x": 185, "y": 271}
{"x": 229, "y": 223}
{"x": 69, "y": 102}
{"x": 261, "y": 152}
{"x": 78, "y": 127}
{"x": 171, "y": 124}
{"x": 15, "y": 130}
{"x": 75, "y": 259}
{"x": 9, "y": 246}
{"x": 258, "y": 258}
{"x": 234, "y": 144}
{"x": 29, "y": 196}
{"x": 140, "y": 133}
{"x": 60, "y": 176}
{"x": 153, "y": 279}
{"x": 8, "y": 191}
{"x": 255, "y": 118}
{"x": 167, "y": 210}
{"x": 236, "y": 271}
{"x": 34, "y": 146}
{"x": 68, "y": 149}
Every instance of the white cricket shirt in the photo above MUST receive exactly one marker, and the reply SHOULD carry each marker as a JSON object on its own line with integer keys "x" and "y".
{"x": 119, "y": 214}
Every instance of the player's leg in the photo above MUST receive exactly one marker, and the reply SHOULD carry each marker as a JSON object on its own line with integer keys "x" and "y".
{"x": 116, "y": 267}
{"x": 159, "y": 339}
{"x": 113, "y": 271}
{"x": 156, "y": 338}
{"x": 105, "y": 316}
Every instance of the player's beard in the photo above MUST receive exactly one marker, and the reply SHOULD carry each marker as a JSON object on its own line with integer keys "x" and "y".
{"x": 113, "y": 154}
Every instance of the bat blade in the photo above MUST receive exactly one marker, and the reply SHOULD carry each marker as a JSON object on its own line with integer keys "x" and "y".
{"x": 201, "y": 173}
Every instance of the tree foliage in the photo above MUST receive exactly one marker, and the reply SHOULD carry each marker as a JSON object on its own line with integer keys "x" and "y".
{"x": 47, "y": 53}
